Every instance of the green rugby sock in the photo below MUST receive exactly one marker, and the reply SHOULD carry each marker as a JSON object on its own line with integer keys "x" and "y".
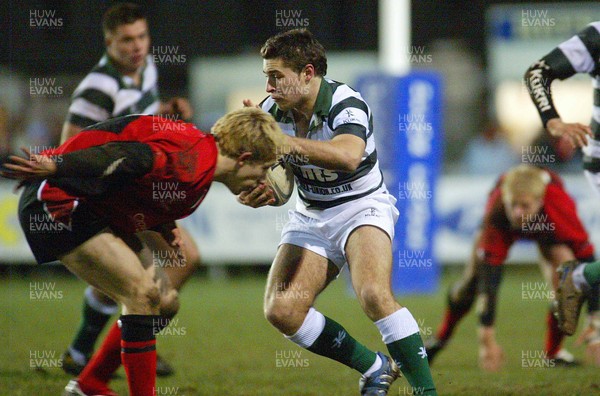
{"x": 335, "y": 343}
{"x": 409, "y": 353}
{"x": 400, "y": 333}
{"x": 591, "y": 273}
{"x": 93, "y": 322}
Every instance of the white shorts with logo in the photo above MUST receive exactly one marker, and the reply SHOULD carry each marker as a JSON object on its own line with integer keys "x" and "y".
{"x": 326, "y": 232}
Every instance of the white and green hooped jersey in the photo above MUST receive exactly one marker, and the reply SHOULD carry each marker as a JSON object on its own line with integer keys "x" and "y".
{"x": 339, "y": 109}
{"x": 105, "y": 93}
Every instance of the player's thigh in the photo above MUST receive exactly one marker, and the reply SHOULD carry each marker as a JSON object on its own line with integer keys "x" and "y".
{"x": 106, "y": 262}
{"x": 369, "y": 255}
{"x": 157, "y": 255}
{"x": 298, "y": 274}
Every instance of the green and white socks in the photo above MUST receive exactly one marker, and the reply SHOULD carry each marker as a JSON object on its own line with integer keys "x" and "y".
{"x": 586, "y": 275}
{"x": 328, "y": 338}
{"x": 95, "y": 316}
{"x": 400, "y": 333}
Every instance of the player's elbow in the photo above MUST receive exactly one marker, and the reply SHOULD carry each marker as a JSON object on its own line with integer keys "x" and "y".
{"x": 350, "y": 163}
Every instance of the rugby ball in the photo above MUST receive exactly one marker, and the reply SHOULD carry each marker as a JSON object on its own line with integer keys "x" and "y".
{"x": 281, "y": 180}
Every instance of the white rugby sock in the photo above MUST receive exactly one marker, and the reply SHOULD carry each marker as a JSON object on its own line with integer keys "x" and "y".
{"x": 376, "y": 366}
{"x": 578, "y": 279}
{"x": 77, "y": 356}
{"x": 397, "y": 326}
{"x": 311, "y": 329}
{"x": 98, "y": 305}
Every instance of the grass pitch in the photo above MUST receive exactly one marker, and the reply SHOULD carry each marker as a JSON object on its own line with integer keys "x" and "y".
{"x": 220, "y": 344}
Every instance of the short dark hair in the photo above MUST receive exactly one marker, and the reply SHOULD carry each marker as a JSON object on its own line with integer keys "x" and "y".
{"x": 121, "y": 14}
{"x": 297, "y": 48}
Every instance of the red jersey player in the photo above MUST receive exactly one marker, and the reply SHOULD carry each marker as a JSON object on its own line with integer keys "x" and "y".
{"x": 84, "y": 202}
{"x": 527, "y": 202}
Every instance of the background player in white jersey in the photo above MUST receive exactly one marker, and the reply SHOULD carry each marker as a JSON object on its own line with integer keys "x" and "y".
{"x": 125, "y": 81}
{"x": 344, "y": 214}
{"x": 579, "y": 54}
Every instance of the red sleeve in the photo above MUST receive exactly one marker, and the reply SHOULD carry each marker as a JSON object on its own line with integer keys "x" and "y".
{"x": 496, "y": 239}
{"x": 568, "y": 228}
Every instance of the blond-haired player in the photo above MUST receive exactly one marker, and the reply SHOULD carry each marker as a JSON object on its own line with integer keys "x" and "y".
{"x": 125, "y": 81}
{"x": 93, "y": 195}
{"x": 527, "y": 202}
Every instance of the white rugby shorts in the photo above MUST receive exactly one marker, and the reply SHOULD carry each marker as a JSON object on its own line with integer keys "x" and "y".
{"x": 326, "y": 232}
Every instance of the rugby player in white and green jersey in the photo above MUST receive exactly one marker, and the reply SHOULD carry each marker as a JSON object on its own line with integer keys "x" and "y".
{"x": 124, "y": 82}
{"x": 344, "y": 214}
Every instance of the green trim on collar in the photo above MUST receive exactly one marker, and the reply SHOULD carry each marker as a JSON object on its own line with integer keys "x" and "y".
{"x": 324, "y": 98}
{"x": 108, "y": 67}
{"x": 322, "y": 105}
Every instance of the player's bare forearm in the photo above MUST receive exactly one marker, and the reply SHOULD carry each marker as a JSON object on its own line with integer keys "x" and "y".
{"x": 342, "y": 153}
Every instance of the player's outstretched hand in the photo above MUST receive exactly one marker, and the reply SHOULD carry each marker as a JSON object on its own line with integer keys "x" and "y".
{"x": 261, "y": 195}
{"x": 182, "y": 107}
{"x": 590, "y": 336}
{"x": 33, "y": 167}
{"x": 491, "y": 355}
{"x": 575, "y": 132}
{"x": 172, "y": 234}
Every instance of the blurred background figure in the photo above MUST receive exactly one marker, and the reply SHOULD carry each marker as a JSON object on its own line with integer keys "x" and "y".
{"x": 489, "y": 153}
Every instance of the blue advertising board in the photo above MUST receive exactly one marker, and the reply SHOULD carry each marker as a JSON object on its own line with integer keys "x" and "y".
{"x": 407, "y": 114}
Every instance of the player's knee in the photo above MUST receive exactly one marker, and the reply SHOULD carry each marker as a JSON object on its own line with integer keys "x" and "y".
{"x": 283, "y": 314}
{"x": 169, "y": 304}
{"x": 376, "y": 301}
{"x": 144, "y": 298}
